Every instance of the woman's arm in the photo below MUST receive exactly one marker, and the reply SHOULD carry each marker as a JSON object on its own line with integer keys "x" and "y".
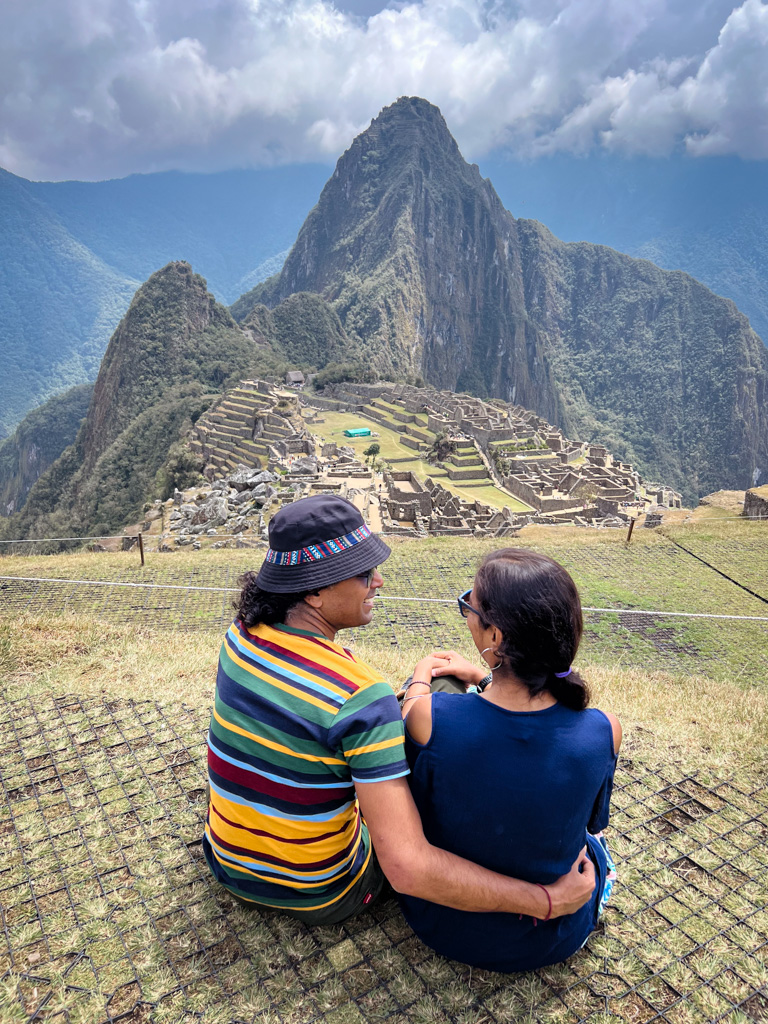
{"x": 420, "y": 682}
{"x": 617, "y": 730}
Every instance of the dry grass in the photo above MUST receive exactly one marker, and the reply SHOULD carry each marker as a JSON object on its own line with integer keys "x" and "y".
{"x": 73, "y": 654}
{"x": 685, "y": 718}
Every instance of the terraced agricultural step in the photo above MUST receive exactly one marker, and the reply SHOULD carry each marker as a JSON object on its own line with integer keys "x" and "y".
{"x": 239, "y": 405}
{"x": 378, "y": 417}
{"x": 235, "y": 434}
{"x": 272, "y": 436}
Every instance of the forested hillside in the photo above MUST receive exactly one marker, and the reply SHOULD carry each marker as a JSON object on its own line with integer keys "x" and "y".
{"x": 304, "y": 332}
{"x": 175, "y": 350}
{"x": 58, "y": 304}
{"x": 37, "y": 442}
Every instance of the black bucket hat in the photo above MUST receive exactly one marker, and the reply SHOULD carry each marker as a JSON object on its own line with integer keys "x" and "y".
{"x": 317, "y": 541}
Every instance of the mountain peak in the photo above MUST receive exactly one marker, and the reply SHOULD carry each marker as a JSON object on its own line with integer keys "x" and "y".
{"x": 410, "y": 110}
{"x": 407, "y": 126}
{"x": 431, "y": 276}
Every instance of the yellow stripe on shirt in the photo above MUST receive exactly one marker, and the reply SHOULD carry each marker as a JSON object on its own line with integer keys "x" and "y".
{"x": 371, "y": 747}
{"x": 271, "y": 743}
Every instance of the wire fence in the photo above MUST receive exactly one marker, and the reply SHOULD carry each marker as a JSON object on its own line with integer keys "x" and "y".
{"x": 656, "y": 606}
{"x": 250, "y": 537}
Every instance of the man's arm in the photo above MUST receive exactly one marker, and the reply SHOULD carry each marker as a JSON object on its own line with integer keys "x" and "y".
{"x": 416, "y": 868}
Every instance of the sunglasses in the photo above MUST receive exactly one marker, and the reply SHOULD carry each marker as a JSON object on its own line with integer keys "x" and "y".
{"x": 465, "y": 607}
{"x": 368, "y": 576}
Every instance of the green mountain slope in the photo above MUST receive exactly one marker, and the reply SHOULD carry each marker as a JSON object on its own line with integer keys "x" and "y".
{"x": 303, "y": 331}
{"x": 429, "y": 273}
{"x": 58, "y": 303}
{"x": 706, "y": 216}
{"x": 37, "y": 442}
{"x": 173, "y": 352}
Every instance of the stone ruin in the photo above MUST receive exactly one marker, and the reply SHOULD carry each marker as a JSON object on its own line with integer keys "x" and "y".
{"x": 561, "y": 479}
{"x": 430, "y": 509}
{"x": 258, "y": 428}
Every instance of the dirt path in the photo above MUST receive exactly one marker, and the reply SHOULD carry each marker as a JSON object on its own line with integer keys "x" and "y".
{"x": 374, "y": 515}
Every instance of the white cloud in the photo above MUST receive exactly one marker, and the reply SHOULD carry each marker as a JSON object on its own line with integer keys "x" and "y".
{"x": 93, "y": 88}
{"x": 718, "y": 105}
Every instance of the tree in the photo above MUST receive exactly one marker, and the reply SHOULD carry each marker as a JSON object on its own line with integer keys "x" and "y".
{"x": 372, "y": 451}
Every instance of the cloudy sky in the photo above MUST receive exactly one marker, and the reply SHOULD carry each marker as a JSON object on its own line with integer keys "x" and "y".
{"x": 102, "y": 88}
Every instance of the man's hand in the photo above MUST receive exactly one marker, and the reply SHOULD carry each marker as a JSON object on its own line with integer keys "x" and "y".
{"x": 451, "y": 663}
{"x": 423, "y": 669}
{"x": 572, "y": 891}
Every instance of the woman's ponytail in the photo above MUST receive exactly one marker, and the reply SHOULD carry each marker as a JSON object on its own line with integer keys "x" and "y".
{"x": 571, "y": 690}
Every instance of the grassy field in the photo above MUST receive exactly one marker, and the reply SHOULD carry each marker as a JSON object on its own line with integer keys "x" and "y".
{"x": 652, "y": 574}
{"x": 108, "y": 909}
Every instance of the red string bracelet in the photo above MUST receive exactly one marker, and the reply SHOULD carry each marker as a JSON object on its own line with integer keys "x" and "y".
{"x": 549, "y": 900}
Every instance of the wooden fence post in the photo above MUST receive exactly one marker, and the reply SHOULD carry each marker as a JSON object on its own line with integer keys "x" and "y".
{"x": 629, "y": 534}
{"x": 141, "y": 547}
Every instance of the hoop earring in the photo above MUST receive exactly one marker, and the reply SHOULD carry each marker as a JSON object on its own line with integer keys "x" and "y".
{"x": 495, "y": 667}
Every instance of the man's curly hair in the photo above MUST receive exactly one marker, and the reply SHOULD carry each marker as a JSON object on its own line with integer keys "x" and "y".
{"x": 255, "y": 606}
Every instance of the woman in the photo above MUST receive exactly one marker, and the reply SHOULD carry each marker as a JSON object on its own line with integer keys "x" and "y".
{"x": 518, "y": 776}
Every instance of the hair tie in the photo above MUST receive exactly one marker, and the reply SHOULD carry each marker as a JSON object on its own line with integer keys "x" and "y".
{"x": 562, "y": 675}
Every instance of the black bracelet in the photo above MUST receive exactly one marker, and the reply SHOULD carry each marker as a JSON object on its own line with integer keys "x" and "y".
{"x": 416, "y": 682}
{"x": 485, "y": 681}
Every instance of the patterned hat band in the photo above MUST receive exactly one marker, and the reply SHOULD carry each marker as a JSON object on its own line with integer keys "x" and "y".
{"x": 317, "y": 552}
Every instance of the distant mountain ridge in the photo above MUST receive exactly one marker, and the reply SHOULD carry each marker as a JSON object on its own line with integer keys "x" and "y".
{"x": 73, "y": 254}
{"x": 706, "y": 216}
{"x": 430, "y": 274}
{"x": 37, "y": 443}
{"x": 58, "y": 304}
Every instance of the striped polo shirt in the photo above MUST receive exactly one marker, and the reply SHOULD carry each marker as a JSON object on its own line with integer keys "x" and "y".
{"x": 296, "y": 722}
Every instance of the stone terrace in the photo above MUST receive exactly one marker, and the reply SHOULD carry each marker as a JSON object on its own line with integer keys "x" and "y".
{"x": 561, "y": 478}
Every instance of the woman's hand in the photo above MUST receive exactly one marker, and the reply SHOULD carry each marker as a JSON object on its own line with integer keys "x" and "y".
{"x": 451, "y": 663}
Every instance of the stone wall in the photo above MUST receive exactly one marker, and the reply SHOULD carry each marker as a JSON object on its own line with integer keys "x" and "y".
{"x": 475, "y": 473}
{"x": 330, "y": 404}
{"x": 756, "y": 503}
{"x": 437, "y": 424}
{"x": 412, "y": 442}
{"x": 404, "y": 497}
{"x": 525, "y": 492}
{"x": 484, "y": 436}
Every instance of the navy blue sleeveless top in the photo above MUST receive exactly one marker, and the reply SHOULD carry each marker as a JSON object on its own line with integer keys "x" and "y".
{"x": 516, "y": 792}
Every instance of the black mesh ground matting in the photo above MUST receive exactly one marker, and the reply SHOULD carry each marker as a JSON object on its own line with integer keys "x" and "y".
{"x": 109, "y": 912}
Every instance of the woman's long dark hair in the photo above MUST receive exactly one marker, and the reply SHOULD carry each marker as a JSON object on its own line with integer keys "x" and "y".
{"x": 255, "y": 606}
{"x": 533, "y": 601}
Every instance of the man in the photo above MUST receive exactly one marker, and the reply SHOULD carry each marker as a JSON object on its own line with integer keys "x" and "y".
{"x": 306, "y": 760}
